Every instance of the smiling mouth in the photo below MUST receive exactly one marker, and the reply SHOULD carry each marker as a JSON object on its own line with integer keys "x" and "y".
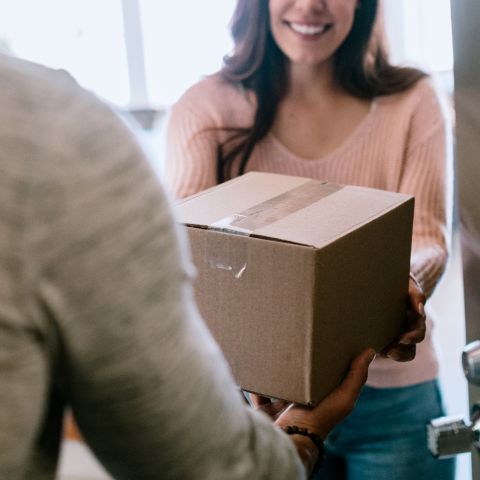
{"x": 309, "y": 30}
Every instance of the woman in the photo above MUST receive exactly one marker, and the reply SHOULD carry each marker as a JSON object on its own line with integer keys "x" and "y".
{"x": 306, "y": 92}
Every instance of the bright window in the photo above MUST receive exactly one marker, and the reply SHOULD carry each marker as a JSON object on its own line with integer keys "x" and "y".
{"x": 83, "y": 37}
{"x": 420, "y": 33}
{"x": 184, "y": 40}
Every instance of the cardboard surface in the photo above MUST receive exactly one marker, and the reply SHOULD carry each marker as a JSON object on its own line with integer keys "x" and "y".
{"x": 295, "y": 277}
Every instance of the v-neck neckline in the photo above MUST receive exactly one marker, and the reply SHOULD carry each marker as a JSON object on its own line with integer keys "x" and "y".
{"x": 360, "y": 129}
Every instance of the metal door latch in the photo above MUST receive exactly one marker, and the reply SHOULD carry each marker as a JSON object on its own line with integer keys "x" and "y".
{"x": 449, "y": 436}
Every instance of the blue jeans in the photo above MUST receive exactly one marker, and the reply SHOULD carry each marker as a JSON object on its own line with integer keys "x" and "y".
{"x": 385, "y": 438}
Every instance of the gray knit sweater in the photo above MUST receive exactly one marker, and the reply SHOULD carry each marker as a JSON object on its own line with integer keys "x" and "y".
{"x": 96, "y": 308}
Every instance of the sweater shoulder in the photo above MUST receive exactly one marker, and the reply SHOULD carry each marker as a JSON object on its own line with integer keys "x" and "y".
{"x": 48, "y": 103}
{"x": 424, "y": 95}
{"x": 32, "y": 85}
{"x": 424, "y": 108}
{"x": 72, "y": 133}
{"x": 218, "y": 101}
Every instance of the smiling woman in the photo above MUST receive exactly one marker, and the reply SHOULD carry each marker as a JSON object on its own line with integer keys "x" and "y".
{"x": 310, "y": 37}
{"x": 309, "y": 91}
{"x": 353, "y": 74}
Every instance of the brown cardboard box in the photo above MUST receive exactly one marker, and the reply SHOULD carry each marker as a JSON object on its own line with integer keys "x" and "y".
{"x": 295, "y": 277}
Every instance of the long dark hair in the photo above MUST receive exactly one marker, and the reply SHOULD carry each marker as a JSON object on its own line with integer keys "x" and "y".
{"x": 360, "y": 68}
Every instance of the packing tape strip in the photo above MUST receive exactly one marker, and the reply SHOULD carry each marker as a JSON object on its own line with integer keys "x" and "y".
{"x": 232, "y": 261}
{"x": 258, "y": 216}
{"x": 275, "y": 208}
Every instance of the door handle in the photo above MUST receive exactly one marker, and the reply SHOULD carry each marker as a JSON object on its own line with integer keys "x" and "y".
{"x": 471, "y": 362}
{"x": 452, "y": 435}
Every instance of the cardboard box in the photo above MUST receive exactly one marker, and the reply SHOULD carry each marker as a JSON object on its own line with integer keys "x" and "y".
{"x": 296, "y": 276}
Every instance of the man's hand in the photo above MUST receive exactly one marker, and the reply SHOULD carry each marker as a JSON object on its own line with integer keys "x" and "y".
{"x": 334, "y": 408}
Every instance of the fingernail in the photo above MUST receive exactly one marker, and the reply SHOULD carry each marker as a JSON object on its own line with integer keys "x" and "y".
{"x": 372, "y": 356}
{"x": 405, "y": 341}
{"x": 394, "y": 355}
{"x": 421, "y": 309}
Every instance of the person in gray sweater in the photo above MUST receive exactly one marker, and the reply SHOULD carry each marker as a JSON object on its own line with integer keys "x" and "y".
{"x": 97, "y": 313}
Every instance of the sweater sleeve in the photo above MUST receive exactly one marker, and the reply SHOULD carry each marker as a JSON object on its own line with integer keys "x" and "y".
{"x": 192, "y": 141}
{"x": 427, "y": 175}
{"x": 149, "y": 387}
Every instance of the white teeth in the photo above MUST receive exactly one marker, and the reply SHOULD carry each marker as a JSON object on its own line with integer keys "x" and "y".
{"x": 308, "y": 29}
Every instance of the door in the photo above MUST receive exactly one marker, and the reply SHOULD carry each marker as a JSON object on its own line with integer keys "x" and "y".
{"x": 466, "y": 39}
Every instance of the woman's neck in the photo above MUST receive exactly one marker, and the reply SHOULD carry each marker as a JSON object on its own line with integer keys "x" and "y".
{"x": 316, "y": 117}
{"x": 311, "y": 83}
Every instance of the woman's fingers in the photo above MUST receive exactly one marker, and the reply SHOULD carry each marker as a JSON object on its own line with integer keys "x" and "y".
{"x": 416, "y": 296}
{"x": 259, "y": 400}
{"x": 273, "y": 408}
{"x": 401, "y": 353}
{"x": 416, "y": 329}
{"x": 404, "y": 349}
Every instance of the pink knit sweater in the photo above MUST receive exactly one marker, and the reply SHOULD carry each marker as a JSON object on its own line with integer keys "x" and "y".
{"x": 401, "y": 145}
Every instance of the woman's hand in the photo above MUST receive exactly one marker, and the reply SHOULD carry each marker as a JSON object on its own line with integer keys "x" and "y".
{"x": 404, "y": 349}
